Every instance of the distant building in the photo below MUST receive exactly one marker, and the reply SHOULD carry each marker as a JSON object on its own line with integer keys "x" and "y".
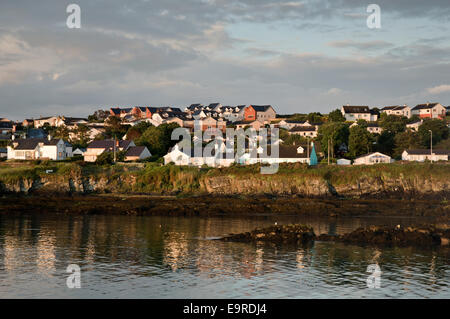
{"x": 38, "y": 148}
{"x": 354, "y": 113}
{"x": 429, "y": 110}
{"x": 305, "y": 131}
{"x": 96, "y": 148}
{"x": 263, "y": 113}
{"x": 257, "y": 125}
{"x": 399, "y": 110}
{"x": 6, "y": 126}
{"x": 372, "y": 158}
{"x": 414, "y": 126}
{"x": 421, "y": 155}
{"x": 135, "y": 153}
{"x": 372, "y": 127}
{"x": 79, "y": 152}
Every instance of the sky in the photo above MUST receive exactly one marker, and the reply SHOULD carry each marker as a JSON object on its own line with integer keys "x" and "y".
{"x": 299, "y": 56}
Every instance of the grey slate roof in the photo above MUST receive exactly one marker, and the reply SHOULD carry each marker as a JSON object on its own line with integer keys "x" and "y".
{"x": 261, "y": 108}
{"x": 135, "y": 150}
{"x": 424, "y": 106}
{"x": 356, "y": 109}
{"x": 427, "y": 152}
{"x": 31, "y": 143}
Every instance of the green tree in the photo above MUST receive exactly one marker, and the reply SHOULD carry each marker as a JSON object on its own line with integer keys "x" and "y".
{"x": 336, "y": 116}
{"x": 114, "y": 127}
{"x": 385, "y": 143}
{"x": 315, "y": 117}
{"x": 439, "y": 129}
{"x": 108, "y": 157}
{"x": 359, "y": 141}
{"x": 404, "y": 141}
{"x": 393, "y": 123}
{"x": 98, "y": 116}
{"x": 335, "y": 132}
{"x": 137, "y": 130}
{"x": 158, "y": 139}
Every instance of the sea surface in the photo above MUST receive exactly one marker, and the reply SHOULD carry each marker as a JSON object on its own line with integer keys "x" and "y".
{"x": 177, "y": 257}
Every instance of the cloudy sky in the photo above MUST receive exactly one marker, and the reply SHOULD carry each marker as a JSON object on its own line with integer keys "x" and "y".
{"x": 299, "y": 56}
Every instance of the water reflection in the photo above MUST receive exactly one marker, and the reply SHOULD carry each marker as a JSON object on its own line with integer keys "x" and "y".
{"x": 164, "y": 257}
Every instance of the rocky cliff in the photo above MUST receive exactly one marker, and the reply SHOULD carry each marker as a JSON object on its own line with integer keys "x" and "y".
{"x": 387, "y": 180}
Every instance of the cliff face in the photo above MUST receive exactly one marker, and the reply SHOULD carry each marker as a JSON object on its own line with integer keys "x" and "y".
{"x": 227, "y": 183}
{"x": 365, "y": 186}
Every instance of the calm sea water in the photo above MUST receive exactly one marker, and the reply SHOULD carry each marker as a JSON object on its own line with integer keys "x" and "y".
{"x": 175, "y": 257}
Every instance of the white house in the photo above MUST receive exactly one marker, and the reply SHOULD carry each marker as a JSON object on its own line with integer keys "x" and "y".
{"x": 372, "y": 158}
{"x": 354, "y": 113}
{"x": 415, "y": 125}
{"x": 372, "y": 127}
{"x": 305, "y": 131}
{"x": 286, "y": 154}
{"x": 39, "y": 148}
{"x": 421, "y": 155}
{"x": 96, "y": 148}
{"x": 181, "y": 158}
{"x": 399, "y": 110}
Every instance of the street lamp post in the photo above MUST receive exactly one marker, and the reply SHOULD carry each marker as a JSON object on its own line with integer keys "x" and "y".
{"x": 431, "y": 145}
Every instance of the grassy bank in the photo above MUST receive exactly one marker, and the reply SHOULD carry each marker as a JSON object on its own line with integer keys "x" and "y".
{"x": 154, "y": 178}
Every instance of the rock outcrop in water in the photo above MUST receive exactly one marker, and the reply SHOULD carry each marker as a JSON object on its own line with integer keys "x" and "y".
{"x": 292, "y": 234}
{"x": 373, "y": 235}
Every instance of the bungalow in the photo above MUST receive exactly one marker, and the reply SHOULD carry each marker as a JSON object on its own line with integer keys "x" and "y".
{"x": 135, "y": 153}
{"x": 354, "y": 113}
{"x": 372, "y": 158}
{"x": 263, "y": 113}
{"x": 399, "y": 110}
{"x": 96, "y": 148}
{"x": 414, "y": 126}
{"x": 38, "y": 148}
{"x": 181, "y": 158}
{"x": 305, "y": 131}
{"x": 286, "y": 154}
{"x": 421, "y": 155}
{"x": 429, "y": 110}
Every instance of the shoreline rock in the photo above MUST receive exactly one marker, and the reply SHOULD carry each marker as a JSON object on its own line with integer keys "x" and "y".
{"x": 372, "y": 235}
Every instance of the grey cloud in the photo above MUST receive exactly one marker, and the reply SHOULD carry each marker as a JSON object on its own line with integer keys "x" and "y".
{"x": 370, "y": 45}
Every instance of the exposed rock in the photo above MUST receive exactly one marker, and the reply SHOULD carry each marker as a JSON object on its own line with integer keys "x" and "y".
{"x": 276, "y": 234}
